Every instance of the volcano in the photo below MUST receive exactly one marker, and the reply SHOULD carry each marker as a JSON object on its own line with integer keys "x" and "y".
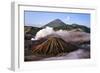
{"x": 56, "y": 23}
{"x": 53, "y": 46}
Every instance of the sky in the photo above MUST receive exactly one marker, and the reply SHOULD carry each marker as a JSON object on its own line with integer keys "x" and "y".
{"x": 38, "y": 19}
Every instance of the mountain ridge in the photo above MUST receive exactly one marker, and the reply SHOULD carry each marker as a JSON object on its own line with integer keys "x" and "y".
{"x": 58, "y": 24}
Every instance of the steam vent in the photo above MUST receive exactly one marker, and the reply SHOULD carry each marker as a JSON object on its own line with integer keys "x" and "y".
{"x": 53, "y": 46}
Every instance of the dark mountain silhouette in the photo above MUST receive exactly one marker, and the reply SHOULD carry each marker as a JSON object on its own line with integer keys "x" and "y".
{"x": 30, "y": 31}
{"x": 82, "y": 27}
{"x": 55, "y": 23}
{"x": 53, "y": 46}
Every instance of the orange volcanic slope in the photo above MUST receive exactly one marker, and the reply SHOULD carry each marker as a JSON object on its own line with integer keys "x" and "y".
{"x": 53, "y": 46}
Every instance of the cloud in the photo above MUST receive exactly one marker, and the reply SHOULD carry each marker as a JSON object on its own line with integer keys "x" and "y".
{"x": 44, "y": 32}
{"x": 64, "y": 34}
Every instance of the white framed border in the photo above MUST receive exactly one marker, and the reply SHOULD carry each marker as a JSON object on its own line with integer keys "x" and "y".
{"x": 17, "y": 51}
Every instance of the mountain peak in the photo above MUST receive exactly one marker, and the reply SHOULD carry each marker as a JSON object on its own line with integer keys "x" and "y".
{"x": 55, "y": 23}
{"x": 57, "y": 20}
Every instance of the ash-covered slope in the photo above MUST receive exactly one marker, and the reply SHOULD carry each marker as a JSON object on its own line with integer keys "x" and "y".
{"x": 53, "y": 46}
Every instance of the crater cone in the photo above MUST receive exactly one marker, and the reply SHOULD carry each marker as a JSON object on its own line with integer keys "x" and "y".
{"x": 53, "y": 46}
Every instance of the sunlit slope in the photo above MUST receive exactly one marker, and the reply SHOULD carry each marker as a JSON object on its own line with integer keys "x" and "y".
{"x": 53, "y": 46}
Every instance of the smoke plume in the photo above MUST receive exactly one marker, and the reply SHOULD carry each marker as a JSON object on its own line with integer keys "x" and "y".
{"x": 44, "y": 32}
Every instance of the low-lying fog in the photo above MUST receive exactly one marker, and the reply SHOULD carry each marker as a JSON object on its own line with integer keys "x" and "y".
{"x": 70, "y": 36}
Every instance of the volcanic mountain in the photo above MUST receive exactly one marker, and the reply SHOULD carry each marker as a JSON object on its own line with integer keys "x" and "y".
{"x": 58, "y": 24}
{"x": 53, "y": 46}
{"x": 55, "y": 23}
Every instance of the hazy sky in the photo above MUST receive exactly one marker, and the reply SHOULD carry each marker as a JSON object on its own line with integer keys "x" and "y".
{"x": 39, "y": 19}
